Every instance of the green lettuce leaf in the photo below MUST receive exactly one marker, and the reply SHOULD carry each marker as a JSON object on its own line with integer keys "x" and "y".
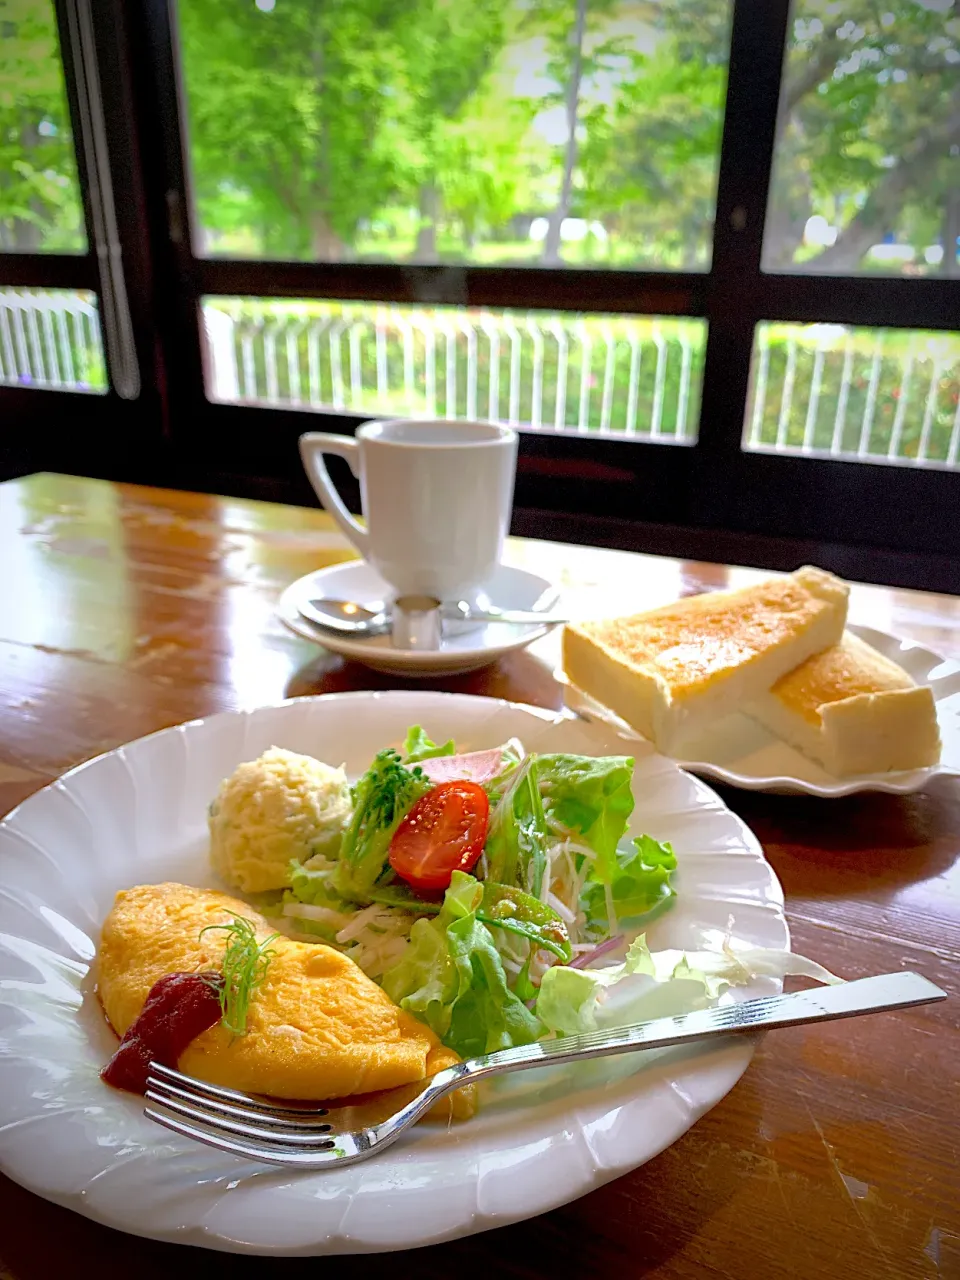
{"x": 640, "y": 883}
{"x": 320, "y": 889}
{"x": 381, "y": 798}
{"x": 424, "y": 981}
{"x": 591, "y": 795}
{"x": 516, "y": 848}
{"x": 417, "y": 746}
{"x": 316, "y": 889}
{"x": 523, "y": 987}
{"x": 451, "y": 977}
{"x": 656, "y": 984}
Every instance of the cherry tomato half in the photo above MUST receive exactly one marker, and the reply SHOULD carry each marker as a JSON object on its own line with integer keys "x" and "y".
{"x": 443, "y": 832}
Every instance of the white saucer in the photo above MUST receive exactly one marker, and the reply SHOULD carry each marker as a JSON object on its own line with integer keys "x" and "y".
{"x": 742, "y": 753}
{"x": 465, "y": 647}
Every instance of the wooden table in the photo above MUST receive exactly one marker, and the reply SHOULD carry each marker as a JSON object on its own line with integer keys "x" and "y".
{"x": 125, "y": 609}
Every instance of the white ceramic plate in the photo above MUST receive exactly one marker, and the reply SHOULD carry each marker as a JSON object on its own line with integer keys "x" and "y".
{"x": 137, "y": 815}
{"x": 465, "y": 646}
{"x": 742, "y": 753}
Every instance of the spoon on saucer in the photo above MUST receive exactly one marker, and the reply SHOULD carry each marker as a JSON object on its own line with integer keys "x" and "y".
{"x": 361, "y": 620}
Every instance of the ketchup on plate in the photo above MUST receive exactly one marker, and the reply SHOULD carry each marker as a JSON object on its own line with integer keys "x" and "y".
{"x": 179, "y": 1007}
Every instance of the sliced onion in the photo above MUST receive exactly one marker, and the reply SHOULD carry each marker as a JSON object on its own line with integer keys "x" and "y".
{"x": 307, "y": 911}
{"x": 602, "y": 949}
{"x": 474, "y": 766}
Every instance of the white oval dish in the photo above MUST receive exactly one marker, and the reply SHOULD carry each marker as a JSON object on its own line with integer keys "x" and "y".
{"x": 137, "y": 815}
{"x": 740, "y": 752}
{"x": 465, "y": 646}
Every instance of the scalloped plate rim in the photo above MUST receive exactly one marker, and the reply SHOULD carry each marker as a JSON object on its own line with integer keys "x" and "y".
{"x": 583, "y": 1109}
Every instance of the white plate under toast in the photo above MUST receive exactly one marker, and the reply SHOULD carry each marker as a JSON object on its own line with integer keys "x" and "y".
{"x": 742, "y": 753}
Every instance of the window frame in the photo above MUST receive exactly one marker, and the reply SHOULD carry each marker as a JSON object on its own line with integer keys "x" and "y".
{"x": 711, "y": 486}
{"x": 69, "y": 430}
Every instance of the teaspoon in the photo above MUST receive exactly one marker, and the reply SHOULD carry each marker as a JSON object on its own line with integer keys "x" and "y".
{"x": 358, "y": 619}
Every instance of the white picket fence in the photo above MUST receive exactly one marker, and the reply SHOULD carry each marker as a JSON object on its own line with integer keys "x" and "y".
{"x": 829, "y": 391}
{"x": 874, "y": 395}
{"x": 570, "y": 373}
{"x": 50, "y": 338}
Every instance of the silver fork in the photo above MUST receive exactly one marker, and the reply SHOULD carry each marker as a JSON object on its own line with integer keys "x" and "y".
{"x": 306, "y": 1138}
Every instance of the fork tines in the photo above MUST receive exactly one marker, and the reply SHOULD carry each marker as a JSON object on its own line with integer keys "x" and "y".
{"x": 213, "y": 1115}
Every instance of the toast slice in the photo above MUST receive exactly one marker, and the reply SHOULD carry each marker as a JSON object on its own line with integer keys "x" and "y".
{"x": 853, "y": 711}
{"x": 670, "y": 671}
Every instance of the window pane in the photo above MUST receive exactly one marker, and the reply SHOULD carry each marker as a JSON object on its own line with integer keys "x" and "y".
{"x": 876, "y": 395}
{"x": 865, "y": 176}
{"x": 632, "y": 377}
{"x": 40, "y": 206}
{"x": 50, "y": 338}
{"x": 438, "y": 130}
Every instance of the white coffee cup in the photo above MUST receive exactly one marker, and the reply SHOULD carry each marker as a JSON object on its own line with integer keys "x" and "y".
{"x": 437, "y": 499}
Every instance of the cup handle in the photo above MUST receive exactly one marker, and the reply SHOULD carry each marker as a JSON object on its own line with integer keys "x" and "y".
{"x": 313, "y": 446}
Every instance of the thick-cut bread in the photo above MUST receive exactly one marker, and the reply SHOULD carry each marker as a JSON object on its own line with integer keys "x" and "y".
{"x": 853, "y": 711}
{"x": 670, "y": 671}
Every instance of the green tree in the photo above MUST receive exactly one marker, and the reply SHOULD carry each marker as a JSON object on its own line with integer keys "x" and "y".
{"x": 324, "y": 130}
{"x": 651, "y": 156}
{"x": 568, "y": 32}
{"x": 451, "y": 49}
{"x": 296, "y": 113}
{"x": 39, "y": 195}
{"x": 310, "y": 123}
{"x": 868, "y": 133}
{"x": 484, "y": 165}
{"x": 642, "y": 88}
{"x": 580, "y": 52}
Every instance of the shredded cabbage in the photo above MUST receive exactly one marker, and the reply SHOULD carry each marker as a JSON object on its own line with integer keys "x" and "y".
{"x": 657, "y": 984}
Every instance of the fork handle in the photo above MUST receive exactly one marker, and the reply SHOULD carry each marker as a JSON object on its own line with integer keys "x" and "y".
{"x": 820, "y": 1004}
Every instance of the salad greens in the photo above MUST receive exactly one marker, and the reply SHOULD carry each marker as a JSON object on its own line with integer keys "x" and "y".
{"x": 418, "y": 746}
{"x": 327, "y": 911}
{"x": 453, "y": 979}
{"x": 517, "y": 835}
{"x": 501, "y": 957}
{"x": 640, "y": 882}
{"x": 590, "y": 795}
{"x": 521, "y": 913}
{"x": 385, "y": 793}
{"x": 502, "y": 907}
{"x": 657, "y": 984}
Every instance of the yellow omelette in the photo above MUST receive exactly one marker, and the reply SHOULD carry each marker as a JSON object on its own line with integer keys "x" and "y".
{"x": 317, "y": 1026}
